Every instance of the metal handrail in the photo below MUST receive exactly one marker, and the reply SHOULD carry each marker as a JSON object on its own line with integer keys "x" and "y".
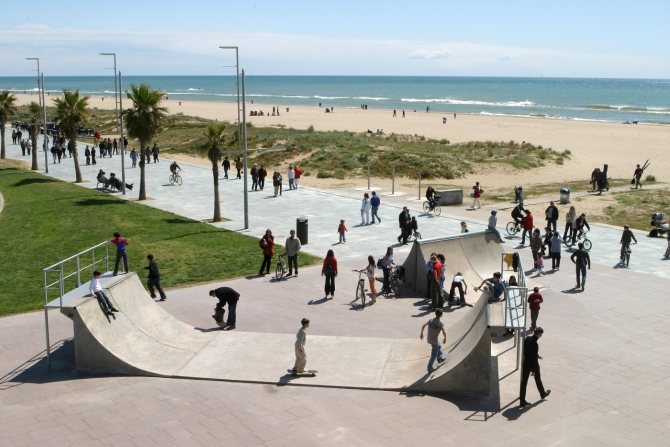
{"x": 522, "y": 285}
{"x": 59, "y": 285}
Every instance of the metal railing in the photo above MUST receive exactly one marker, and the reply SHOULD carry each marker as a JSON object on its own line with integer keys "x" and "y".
{"x": 60, "y": 284}
{"x": 515, "y": 310}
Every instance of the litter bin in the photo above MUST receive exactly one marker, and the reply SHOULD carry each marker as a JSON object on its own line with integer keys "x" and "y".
{"x": 287, "y": 110}
{"x": 565, "y": 196}
{"x": 444, "y": 120}
{"x": 301, "y": 229}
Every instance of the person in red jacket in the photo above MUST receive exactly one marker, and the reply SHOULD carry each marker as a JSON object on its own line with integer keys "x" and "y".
{"x": 267, "y": 243}
{"x": 298, "y": 173}
{"x": 534, "y": 301}
{"x": 329, "y": 270}
{"x": 121, "y": 243}
{"x": 527, "y": 227}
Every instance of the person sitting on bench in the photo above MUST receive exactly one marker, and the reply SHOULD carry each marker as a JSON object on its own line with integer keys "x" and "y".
{"x": 96, "y": 291}
{"x": 117, "y": 183}
{"x": 102, "y": 179}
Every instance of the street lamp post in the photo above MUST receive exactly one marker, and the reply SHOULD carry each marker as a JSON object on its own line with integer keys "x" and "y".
{"x": 117, "y": 110}
{"x": 40, "y": 98}
{"x": 122, "y": 140}
{"x": 116, "y": 92}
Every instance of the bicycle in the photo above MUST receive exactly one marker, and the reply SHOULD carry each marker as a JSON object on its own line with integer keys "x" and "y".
{"x": 394, "y": 284}
{"x": 175, "y": 178}
{"x": 625, "y": 258}
{"x": 280, "y": 271}
{"x": 513, "y": 228}
{"x": 581, "y": 237}
{"x": 414, "y": 234}
{"x": 437, "y": 209}
{"x": 360, "y": 288}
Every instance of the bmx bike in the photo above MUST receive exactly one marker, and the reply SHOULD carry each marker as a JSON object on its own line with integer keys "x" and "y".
{"x": 175, "y": 179}
{"x": 437, "y": 209}
{"x": 360, "y": 289}
{"x": 280, "y": 271}
{"x": 581, "y": 237}
{"x": 513, "y": 228}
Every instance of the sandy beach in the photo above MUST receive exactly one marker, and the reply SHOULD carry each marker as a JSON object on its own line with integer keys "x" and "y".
{"x": 591, "y": 143}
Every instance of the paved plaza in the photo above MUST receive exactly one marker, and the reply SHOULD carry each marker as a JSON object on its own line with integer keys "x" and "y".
{"x": 606, "y": 350}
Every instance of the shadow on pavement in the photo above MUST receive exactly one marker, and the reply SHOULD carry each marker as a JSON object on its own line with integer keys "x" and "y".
{"x": 34, "y": 370}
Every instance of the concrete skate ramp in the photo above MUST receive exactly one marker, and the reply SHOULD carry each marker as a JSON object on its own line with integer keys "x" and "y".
{"x": 143, "y": 339}
{"x": 476, "y": 255}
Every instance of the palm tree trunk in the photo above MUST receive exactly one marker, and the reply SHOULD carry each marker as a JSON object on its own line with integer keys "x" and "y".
{"x": 73, "y": 145}
{"x": 143, "y": 189}
{"x": 217, "y": 205}
{"x": 3, "y": 121}
{"x": 33, "y": 137}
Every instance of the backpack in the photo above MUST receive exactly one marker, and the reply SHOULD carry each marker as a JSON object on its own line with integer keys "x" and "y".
{"x": 260, "y": 243}
{"x": 330, "y": 271}
{"x": 380, "y": 263}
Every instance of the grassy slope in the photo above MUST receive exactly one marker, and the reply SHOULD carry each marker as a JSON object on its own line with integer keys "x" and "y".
{"x": 45, "y": 221}
{"x": 635, "y": 208}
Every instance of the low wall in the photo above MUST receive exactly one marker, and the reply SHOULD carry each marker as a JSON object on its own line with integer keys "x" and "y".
{"x": 450, "y": 197}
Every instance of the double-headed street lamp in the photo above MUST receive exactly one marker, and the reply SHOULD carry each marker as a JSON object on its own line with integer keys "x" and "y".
{"x": 118, "y": 110}
{"x": 40, "y": 96}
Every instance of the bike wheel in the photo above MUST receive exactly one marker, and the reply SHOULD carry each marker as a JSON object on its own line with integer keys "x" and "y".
{"x": 426, "y": 207}
{"x": 396, "y": 288}
{"x": 587, "y": 244}
{"x": 511, "y": 229}
{"x": 437, "y": 210}
{"x": 418, "y": 235}
{"x": 361, "y": 293}
{"x": 179, "y": 180}
{"x": 171, "y": 180}
{"x": 568, "y": 241}
{"x": 279, "y": 272}
{"x": 627, "y": 258}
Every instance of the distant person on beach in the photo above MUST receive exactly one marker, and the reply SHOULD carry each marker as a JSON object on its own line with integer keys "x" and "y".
{"x": 121, "y": 244}
{"x": 403, "y": 113}
{"x": 93, "y": 156}
{"x": 275, "y": 182}
{"x": 154, "y": 278}
{"x": 14, "y": 136}
{"x": 531, "y": 366}
{"x": 239, "y": 165}
{"x": 375, "y": 201}
{"x": 329, "y": 270}
{"x": 96, "y": 290}
{"x": 435, "y": 326}
{"x": 594, "y": 178}
{"x": 296, "y": 180}
{"x": 226, "y": 167}
{"x": 536, "y": 245}
{"x": 300, "y": 341}
{"x": 394, "y": 114}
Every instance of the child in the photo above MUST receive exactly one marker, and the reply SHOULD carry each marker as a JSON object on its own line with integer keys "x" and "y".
{"x": 341, "y": 229}
{"x": 415, "y": 226}
{"x": 435, "y": 326}
{"x": 370, "y": 272}
{"x": 300, "y": 355}
{"x": 540, "y": 264}
{"x": 96, "y": 290}
{"x": 534, "y": 301}
{"x": 464, "y": 227}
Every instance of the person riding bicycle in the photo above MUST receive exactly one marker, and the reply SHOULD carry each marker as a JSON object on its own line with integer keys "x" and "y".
{"x": 578, "y": 227}
{"x": 517, "y": 214}
{"x": 173, "y": 167}
{"x": 430, "y": 195}
{"x": 626, "y": 238}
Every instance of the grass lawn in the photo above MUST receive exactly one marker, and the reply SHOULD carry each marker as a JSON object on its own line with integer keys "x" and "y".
{"x": 45, "y": 221}
{"x": 635, "y": 208}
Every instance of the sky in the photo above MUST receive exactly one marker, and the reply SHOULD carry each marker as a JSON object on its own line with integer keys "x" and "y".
{"x": 587, "y": 38}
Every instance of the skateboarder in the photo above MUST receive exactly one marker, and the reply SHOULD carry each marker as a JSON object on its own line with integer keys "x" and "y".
{"x": 435, "y": 326}
{"x": 226, "y": 295}
{"x": 121, "y": 243}
{"x": 531, "y": 366}
{"x": 300, "y": 355}
{"x": 154, "y": 278}
{"x": 96, "y": 290}
{"x": 494, "y": 287}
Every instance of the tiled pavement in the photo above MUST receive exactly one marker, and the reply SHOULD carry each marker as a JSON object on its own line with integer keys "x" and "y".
{"x": 606, "y": 358}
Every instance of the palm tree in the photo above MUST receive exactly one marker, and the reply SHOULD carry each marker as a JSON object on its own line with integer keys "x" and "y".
{"x": 143, "y": 121}
{"x": 216, "y": 139}
{"x": 35, "y": 113}
{"x": 7, "y": 108}
{"x": 71, "y": 114}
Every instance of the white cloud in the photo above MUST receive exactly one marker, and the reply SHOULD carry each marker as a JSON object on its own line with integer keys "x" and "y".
{"x": 74, "y": 51}
{"x": 434, "y": 54}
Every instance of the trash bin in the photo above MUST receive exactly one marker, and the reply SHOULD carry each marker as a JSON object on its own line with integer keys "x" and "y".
{"x": 287, "y": 110}
{"x": 301, "y": 229}
{"x": 444, "y": 120}
{"x": 565, "y": 196}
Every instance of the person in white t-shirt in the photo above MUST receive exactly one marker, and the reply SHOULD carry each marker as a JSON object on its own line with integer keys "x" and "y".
{"x": 458, "y": 282}
{"x": 291, "y": 178}
{"x": 96, "y": 290}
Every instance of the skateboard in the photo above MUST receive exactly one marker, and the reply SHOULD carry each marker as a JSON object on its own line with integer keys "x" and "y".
{"x": 305, "y": 373}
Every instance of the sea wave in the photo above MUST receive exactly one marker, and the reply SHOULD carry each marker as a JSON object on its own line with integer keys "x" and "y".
{"x": 371, "y": 98}
{"x": 525, "y": 103}
{"x": 330, "y": 97}
{"x": 627, "y": 108}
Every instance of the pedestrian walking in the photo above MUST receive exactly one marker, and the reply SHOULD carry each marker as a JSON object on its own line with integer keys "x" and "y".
{"x": 115, "y": 144}
{"x": 375, "y": 201}
{"x": 300, "y": 341}
{"x": 254, "y": 177}
{"x": 551, "y": 216}
{"x": 493, "y": 221}
{"x": 87, "y": 154}
{"x": 96, "y": 290}
{"x": 267, "y": 243}
{"x": 226, "y": 167}
{"x": 93, "y": 156}
{"x": 121, "y": 244}
{"x": 365, "y": 209}
{"x": 387, "y": 266}
{"x": 292, "y": 247}
{"x": 229, "y": 296}
{"x": 582, "y": 261}
{"x": 154, "y": 152}
{"x": 435, "y": 326}
{"x": 518, "y": 193}
{"x": 154, "y": 278}
{"x": 29, "y": 146}
{"x": 275, "y": 182}
{"x": 133, "y": 157}
{"x": 527, "y": 227}
{"x": 329, "y": 270}
{"x": 555, "y": 251}
{"x": 540, "y": 264}
{"x": 637, "y": 176}
{"x": 239, "y": 165}
{"x": 280, "y": 179}
{"x": 372, "y": 279}
{"x": 147, "y": 154}
{"x": 19, "y": 136}
{"x": 13, "y": 136}
{"x": 291, "y": 178}
{"x": 341, "y": 229}
{"x": 534, "y": 301}
{"x": 403, "y": 219}
{"x": 536, "y": 246}
{"x": 667, "y": 250}
{"x": 296, "y": 180}
{"x": 477, "y": 193}
{"x": 569, "y": 219}
{"x": 262, "y": 173}
{"x": 23, "y": 149}
{"x": 531, "y": 366}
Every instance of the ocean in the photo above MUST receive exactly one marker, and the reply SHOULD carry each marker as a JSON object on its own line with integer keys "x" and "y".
{"x": 619, "y": 100}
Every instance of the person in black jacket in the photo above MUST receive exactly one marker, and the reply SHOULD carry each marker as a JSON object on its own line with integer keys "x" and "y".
{"x": 87, "y": 153}
{"x": 226, "y": 167}
{"x": 403, "y": 220}
{"x": 154, "y": 278}
{"x": 551, "y": 214}
{"x": 531, "y": 365}
{"x": 225, "y": 295}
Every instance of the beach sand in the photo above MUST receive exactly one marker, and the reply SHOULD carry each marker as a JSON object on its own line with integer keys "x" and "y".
{"x": 591, "y": 143}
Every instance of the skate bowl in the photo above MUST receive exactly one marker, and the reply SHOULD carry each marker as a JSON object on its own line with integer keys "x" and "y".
{"x": 476, "y": 255}
{"x": 143, "y": 339}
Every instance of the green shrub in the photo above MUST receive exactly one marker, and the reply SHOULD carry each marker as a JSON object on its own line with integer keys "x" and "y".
{"x": 650, "y": 178}
{"x": 324, "y": 174}
{"x": 444, "y": 141}
{"x": 310, "y": 129}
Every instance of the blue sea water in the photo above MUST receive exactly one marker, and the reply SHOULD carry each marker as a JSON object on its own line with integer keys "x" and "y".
{"x": 643, "y": 100}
